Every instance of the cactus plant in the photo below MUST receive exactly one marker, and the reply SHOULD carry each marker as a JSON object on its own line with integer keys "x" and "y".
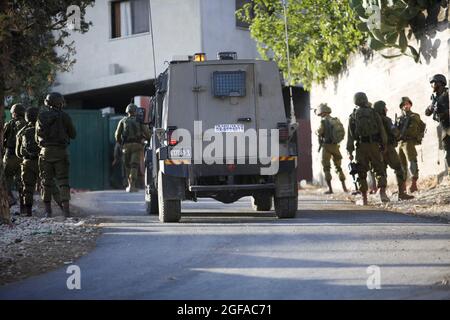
{"x": 392, "y": 23}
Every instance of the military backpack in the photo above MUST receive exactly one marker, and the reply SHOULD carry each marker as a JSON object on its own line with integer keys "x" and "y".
{"x": 132, "y": 131}
{"x": 334, "y": 131}
{"x": 421, "y": 129}
{"x": 29, "y": 146}
{"x": 51, "y": 128}
{"x": 365, "y": 123}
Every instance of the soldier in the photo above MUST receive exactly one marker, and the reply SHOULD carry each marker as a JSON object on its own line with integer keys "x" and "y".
{"x": 11, "y": 163}
{"x": 409, "y": 126}
{"x": 366, "y": 129}
{"x": 330, "y": 146}
{"x": 390, "y": 156}
{"x": 27, "y": 150}
{"x": 130, "y": 133}
{"x": 439, "y": 108}
{"x": 54, "y": 129}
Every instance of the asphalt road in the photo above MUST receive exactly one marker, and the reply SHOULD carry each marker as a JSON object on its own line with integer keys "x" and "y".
{"x": 230, "y": 252}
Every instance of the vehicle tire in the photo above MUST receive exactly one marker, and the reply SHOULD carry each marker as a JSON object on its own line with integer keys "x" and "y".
{"x": 152, "y": 207}
{"x": 263, "y": 203}
{"x": 169, "y": 210}
{"x": 286, "y": 208}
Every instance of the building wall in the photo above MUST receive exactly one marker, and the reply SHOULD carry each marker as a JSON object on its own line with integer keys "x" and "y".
{"x": 176, "y": 29}
{"x": 388, "y": 80}
{"x": 180, "y": 27}
{"x": 220, "y": 33}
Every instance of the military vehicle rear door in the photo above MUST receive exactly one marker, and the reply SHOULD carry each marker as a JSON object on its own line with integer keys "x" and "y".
{"x": 226, "y": 101}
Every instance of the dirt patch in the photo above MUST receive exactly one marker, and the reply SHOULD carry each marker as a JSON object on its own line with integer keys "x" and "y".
{"x": 35, "y": 245}
{"x": 431, "y": 201}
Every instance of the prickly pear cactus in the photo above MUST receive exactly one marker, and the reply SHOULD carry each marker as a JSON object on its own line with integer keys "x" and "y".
{"x": 392, "y": 23}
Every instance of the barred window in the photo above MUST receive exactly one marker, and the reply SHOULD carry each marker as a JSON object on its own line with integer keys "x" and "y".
{"x": 229, "y": 84}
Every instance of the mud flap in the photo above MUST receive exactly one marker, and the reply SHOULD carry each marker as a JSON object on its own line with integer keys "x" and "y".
{"x": 173, "y": 187}
{"x": 286, "y": 184}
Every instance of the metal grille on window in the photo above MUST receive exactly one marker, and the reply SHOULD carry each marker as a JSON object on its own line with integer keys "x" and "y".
{"x": 229, "y": 84}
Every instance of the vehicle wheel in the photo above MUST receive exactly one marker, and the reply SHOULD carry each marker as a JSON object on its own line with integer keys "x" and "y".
{"x": 152, "y": 205}
{"x": 169, "y": 210}
{"x": 263, "y": 203}
{"x": 286, "y": 208}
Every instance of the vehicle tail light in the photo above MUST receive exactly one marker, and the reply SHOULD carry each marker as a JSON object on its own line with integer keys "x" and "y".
{"x": 283, "y": 131}
{"x": 170, "y": 139}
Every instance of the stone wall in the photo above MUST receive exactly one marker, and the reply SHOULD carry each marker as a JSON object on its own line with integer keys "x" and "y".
{"x": 388, "y": 80}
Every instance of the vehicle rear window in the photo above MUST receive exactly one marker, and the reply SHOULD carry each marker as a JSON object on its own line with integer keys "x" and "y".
{"x": 229, "y": 83}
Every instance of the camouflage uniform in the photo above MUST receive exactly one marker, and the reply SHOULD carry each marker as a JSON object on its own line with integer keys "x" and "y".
{"x": 329, "y": 150}
{"x": 27, "y": 150}
{"x": 390, "y": 155}
{"x": 11, "y": 163}
{"x": 367, "y": 147}
{"x": 53, "y": 137}
{"x": 409, "y": 129}
{"x": 132, "y": 147}
{"x": 439, "y": 108}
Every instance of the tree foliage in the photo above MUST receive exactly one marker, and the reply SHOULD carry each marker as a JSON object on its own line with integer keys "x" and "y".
{"x": 390, "y": 24}
{"x": 322, "y": 34}
{"x": 30, "y": 31}
{"x": 33, "y": 48}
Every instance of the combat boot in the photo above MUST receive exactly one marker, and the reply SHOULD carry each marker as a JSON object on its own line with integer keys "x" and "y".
{"x": 344, "y": 187}
{"x": 364, "y": 198}
{"x": 330, "y": 189}
{"x": 66, "y": 209}
{"x": 48, "y": 209}
{"x": 402, "y": 195}
{"x": 28, "y": 211}
{"x": 413, "y": 187}
{"x": 383, "y": 195}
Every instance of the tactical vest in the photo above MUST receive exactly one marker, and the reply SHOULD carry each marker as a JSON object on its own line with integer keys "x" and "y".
{"x": 14, "y": 126}
{"x": 132, "y": 131}
{"x": 51, "y": 130}
{"x": 29, "y": 147}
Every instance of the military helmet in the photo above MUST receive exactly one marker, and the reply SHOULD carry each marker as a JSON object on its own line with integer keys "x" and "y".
{"x": 131, "y": 108}
{"x": 360, "y": 99}
{"x": 439, "y": 78}
{"x": 379, "y": 106}
{"x": 54, "y": 99}
{"x": 31, "y": 114}
{"x": 403, "y": 100}
{"x": 18, "y": 109}
{"x": 323, "y": 108}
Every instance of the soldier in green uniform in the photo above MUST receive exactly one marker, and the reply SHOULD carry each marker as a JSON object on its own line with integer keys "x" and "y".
{"x": 329, "y": 146}
{"x": 390, "y": 156}
{"x": 439, "y": 108}
{"x": 408, "y": 124}
{"x": 367, "y": 133}
{"x": 11, "y": 163}
{"x": 28, "y": 150}
{"x": 129, "y": 133}
{"x": 54, "y": 129}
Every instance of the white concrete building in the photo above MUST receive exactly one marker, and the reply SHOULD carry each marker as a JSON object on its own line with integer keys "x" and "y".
{"x": 114, "y": 60}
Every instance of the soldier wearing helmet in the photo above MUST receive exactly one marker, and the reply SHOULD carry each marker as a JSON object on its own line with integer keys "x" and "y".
{"x": 366, "y": 135}
{"x": 28, "y": 150}
{"x": 130, "y": 134}
{"x": 11, "y": 162}
{"x": 409, "y": 125}
{"x": 54, "y": 130}
{"x": 329, "y": 130}
{"x": 390, "y": 156}
{"x": 439, "y": 108}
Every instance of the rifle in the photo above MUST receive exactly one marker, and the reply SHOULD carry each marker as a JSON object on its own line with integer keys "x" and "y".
{"x": 353, "y": 168}
{"x": 320, "y": 143}
{"x": 403, "y": 124}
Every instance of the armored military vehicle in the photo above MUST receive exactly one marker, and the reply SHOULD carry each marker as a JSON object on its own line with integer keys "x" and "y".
{"x": 220, "y": 130}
